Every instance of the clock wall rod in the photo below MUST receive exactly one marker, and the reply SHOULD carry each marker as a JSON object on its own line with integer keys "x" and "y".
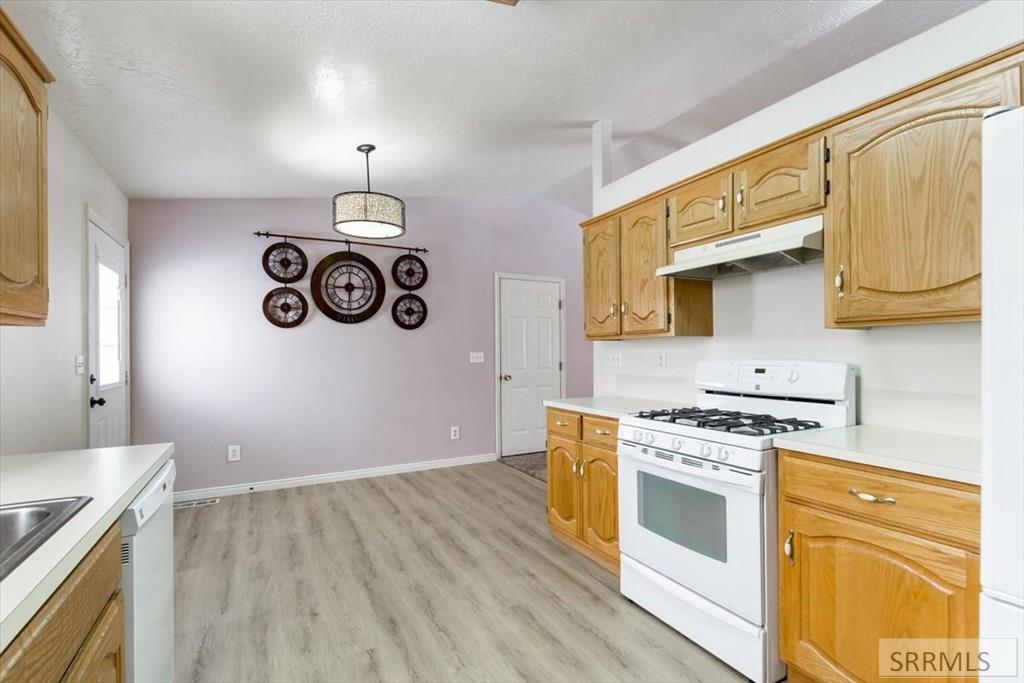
{"x": 264, "y": 233}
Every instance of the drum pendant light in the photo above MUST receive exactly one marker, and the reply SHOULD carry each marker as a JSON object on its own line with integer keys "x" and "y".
{"x": 372, "y": 215}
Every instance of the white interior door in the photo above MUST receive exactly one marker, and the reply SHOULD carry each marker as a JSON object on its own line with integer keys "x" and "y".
{"x": 530, "y": 360}
{"x": 108, "y": 332}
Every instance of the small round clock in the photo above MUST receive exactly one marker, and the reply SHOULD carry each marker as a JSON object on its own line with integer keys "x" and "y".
{"x": 285, "y": 262}
{"x": 409, "y": 272}
{"x": 285, "y": 307}
{"x": 409, "y": 311}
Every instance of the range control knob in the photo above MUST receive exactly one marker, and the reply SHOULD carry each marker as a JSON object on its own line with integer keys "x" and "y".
{"x": 649, "y": 439}
{"x": 723, "y": 453}
{"x": 677, "y": 444}
{"x": 638, "y": 436}
{"x": 705, "y": 450}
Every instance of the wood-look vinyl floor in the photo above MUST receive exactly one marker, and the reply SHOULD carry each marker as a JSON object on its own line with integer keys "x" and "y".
{"x": 442, "y": 575}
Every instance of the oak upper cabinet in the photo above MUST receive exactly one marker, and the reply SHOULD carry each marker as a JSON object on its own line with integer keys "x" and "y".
{"x": 780, "y": 183}
{"x": 643, "y": 249}
{"x": 868, "y": 554}
{"x": 563, "y": 489}
{"x": 905, "y": 238}
{"x": 601, "y": 278}
{"x": 24, "y": 294}
{"x": 700, "y": 209}
{"x": 599, "y": 479}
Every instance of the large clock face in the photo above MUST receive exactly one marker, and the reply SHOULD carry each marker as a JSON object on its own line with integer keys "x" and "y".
{"x": 347, "y": 287}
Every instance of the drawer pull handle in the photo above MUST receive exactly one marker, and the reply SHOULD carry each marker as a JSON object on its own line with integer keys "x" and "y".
{"x": 869, "y": 498}
{"x": 582, "y": 466}
{"x": 787, "y": 547}
{"x": 602, "y": 432}
{"x": 559, "y": 423}
{"x": 574, "y": 468}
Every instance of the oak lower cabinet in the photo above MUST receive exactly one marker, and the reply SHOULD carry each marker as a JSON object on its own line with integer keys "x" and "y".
{"x": 904, "y": 244}
{"x": 869, "y": 554}
{"x": 583, "y": 485}
{"x": 77, "y": 636}
{"x": 622, "y": 297}
{"x": 24, "y": 292}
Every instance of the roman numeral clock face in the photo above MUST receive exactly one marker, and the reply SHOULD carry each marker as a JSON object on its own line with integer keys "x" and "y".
{"x": 347, "y": 287}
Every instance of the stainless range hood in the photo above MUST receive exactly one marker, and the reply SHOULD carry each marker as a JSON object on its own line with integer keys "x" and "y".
{"x": 789, "y": 244}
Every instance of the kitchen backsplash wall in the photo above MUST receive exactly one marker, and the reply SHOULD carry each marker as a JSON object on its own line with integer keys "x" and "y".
{"x": 324, "y": 397}
{"x": 923, "y": 377}
{"x": 43, "y": 403}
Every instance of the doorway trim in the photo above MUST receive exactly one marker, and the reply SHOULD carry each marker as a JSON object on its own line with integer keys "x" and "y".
{"x": 496, "y": 361}
{"x": 92, "y": 216}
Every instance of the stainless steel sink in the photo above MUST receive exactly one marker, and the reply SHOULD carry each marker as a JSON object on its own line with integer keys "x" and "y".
{"x": 26, "y": 526}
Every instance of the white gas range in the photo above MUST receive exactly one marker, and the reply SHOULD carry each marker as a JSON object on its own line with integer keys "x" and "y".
{"x": 697, "y": 502}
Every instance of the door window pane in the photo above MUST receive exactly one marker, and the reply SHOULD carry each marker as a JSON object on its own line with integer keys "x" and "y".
{"x": 108, "y": 314}
{"x": 687, "y": 516}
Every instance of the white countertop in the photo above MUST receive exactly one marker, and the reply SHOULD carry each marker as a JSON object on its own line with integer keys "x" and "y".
{"x": 112, "y": 476}
{"x": 608, "y": 406}
{"x": 955, "y": 458}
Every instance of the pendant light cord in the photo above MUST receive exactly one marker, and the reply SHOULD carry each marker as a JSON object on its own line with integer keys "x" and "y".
{"x": 367, "y": 153}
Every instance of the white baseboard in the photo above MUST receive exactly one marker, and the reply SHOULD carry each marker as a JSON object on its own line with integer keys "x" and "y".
{"x": 311, "y": 479}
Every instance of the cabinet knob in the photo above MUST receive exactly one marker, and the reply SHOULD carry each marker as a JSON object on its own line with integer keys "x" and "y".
{"x": 721, "y": 203}
{"x": 838, "y": 282}
{"x": 739, "y": 196}
{"x": 624, "y": 307}
{"x": 787, "y": 547}
{"x": 614, "y": 310}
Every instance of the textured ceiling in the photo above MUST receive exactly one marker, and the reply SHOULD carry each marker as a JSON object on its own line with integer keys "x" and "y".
{"x": 237, "y": 99}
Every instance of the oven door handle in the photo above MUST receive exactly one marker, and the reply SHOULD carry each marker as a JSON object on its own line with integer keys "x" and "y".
{"x": 752, "y": 483}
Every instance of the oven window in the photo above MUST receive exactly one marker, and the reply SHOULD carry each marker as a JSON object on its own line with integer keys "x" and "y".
{"x": 687, "y": 516}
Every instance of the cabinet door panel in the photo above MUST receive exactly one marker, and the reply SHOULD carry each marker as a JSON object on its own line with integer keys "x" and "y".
{"x": 23, "y": 278}
{"x": 777, "y": 184}
{"x": 700, "y": 210}
{"x": 563, "y": 485}
{"x": 600, "y": 500}
{"x": 906, "y": 210}
{"x": 601, "y": 278}
{"x": 852, "y": 583}
{"x": 101, "y": 659}
{"x": 644, "y": 248}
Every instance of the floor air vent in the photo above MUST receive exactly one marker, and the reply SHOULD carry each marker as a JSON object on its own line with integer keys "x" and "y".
{"x": 201, "y": 503}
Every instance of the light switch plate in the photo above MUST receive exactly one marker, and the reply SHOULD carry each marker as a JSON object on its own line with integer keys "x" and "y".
{"x": 79, "y": 364}
{"x": 616, "y": 360}
{"x": 661, "y": 360}
{"x": 476, "y": 356}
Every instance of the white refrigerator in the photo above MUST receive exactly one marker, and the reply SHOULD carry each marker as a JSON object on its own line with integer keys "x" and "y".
{"x": 1002, "y": 411}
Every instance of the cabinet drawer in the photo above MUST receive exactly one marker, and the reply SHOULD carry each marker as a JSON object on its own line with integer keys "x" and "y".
{"x": 564, "y": 423}
{"x": 43, "y": 649}
{"x": 928, "y": 508}
{"x": 600, "y": 431}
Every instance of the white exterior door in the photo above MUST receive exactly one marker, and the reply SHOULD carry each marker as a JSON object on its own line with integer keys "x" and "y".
{"x": 530, "y": 360}
{"x": 108, "y": 333}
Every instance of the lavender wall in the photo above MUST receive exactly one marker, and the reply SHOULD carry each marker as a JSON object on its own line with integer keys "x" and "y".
{"x": 325, "y": 397}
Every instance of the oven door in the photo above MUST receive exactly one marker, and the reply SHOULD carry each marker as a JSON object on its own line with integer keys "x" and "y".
{"x": 702, "y": 528}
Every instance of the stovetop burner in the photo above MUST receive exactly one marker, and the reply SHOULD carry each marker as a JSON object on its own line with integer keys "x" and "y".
{"x": 755, "y": 424}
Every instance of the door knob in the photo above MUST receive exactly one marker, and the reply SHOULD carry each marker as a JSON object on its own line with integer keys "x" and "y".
{"x": 507, "y": 378}
{"x": 93, "y": 402}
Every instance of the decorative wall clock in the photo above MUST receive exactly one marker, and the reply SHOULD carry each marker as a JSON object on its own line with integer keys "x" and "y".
{"x": 285, "y": 307}
{"x": 285, "y": 262}
{"x": 347, "y": 287}
{"x": 409, "y": 272}
{"x": 409, "y": 311}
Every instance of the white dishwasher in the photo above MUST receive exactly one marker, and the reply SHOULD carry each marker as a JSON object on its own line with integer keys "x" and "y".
{"x": 147, "y": 581}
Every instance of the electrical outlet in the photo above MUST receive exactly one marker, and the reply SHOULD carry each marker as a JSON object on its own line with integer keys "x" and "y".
{"x": 234, "y": 453}
{"x": 455, "y": 433}
{"x": 616, "y": 360}
{"x": 476, "y": 356}
{"x": 661, "y": 361}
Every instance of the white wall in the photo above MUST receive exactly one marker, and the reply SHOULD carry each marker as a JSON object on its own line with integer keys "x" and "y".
{"x": 922, "y": 377}
{"x": 42, "y": 401}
